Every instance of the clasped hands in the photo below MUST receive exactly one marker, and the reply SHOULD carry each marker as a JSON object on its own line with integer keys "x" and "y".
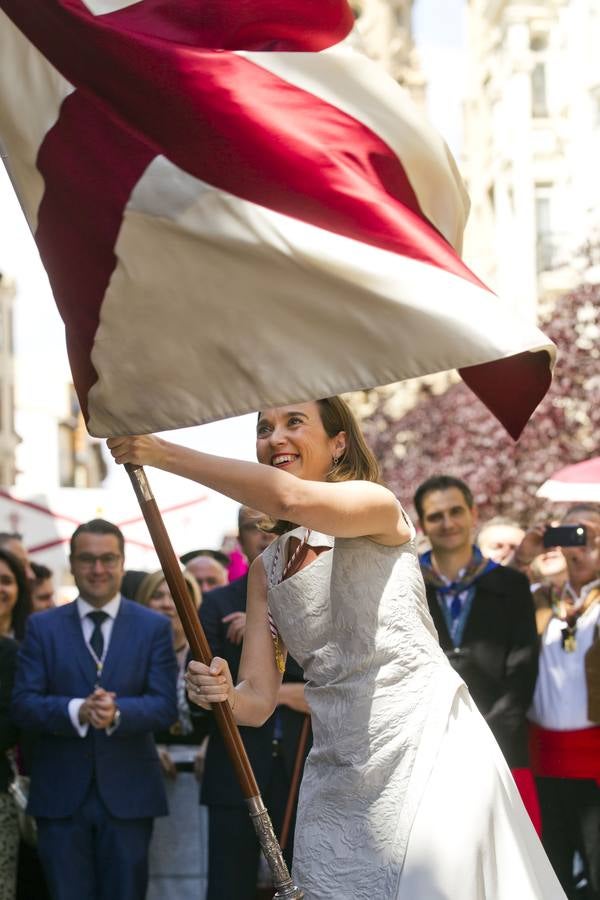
{"x": 98, "y": 709}
{"x": 209, "y": 684}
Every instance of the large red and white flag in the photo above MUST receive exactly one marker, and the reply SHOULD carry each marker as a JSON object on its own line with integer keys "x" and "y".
{"x": 236, "y": 209}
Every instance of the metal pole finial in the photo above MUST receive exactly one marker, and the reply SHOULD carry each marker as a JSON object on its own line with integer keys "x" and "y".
{"x": 285, "y": 887}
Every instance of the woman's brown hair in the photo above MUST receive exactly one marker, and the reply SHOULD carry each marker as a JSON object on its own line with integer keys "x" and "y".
{"x": 356, "y": 463}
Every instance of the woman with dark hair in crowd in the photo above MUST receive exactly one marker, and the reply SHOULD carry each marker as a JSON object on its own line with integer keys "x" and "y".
{"x": 15, "y": 597}
{"x": 405, "y": 795}
{"x": 15, "y": 606}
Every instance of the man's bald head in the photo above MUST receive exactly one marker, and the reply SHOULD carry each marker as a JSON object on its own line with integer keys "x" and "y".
{"x": 208, "y": 572}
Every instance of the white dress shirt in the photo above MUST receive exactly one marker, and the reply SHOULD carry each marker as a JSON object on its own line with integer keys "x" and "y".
{"x": 87, "y": 626}
{"x": 561, "y": 697}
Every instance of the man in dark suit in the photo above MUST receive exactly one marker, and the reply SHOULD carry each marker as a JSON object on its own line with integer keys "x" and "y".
{"x": 233, "y": 847}
{"x": 483, "y": 613}
{"x": 95, "y": 679}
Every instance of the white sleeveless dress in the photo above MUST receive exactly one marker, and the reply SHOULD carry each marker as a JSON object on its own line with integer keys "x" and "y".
{"x": 405, "y": 794}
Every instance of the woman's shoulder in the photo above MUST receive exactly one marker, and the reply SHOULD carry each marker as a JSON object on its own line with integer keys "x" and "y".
{"x": 365, "y": 544}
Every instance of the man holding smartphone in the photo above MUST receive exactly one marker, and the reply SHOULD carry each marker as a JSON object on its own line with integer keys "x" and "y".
{"x": 565, "y": 726}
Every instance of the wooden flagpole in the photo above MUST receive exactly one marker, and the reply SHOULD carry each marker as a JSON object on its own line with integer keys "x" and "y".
{"x": 295, "y": 783}
{"x": 285, "y": 888}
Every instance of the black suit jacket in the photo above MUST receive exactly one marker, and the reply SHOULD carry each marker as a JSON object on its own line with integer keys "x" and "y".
{"x": 219, "y": 785}
{"x": 499, "y": 655}
{"x": 8, "y": 730}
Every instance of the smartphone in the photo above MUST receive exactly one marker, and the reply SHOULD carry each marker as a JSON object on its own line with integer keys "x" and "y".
{"x": 565, "y": 536}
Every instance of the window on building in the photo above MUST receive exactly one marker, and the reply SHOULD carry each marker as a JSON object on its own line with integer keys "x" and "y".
{"x": 10, "y": 337}
{"x": 542, "y": 212}
{"x": 66, "y": 457}
{"x": 11, "y": 409}
{"x": 596, "y": 106}
{"x": 81, "y": 463}
{"x": 539, "y": 98}
{"x": 97, "y": 469}
{"x": 546, "y": 243}
{"x": 403, "y": 17}
{"x": 538, "y": 42}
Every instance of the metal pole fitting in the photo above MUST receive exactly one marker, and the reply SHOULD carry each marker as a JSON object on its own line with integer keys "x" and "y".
{"x": 285, "y": 887}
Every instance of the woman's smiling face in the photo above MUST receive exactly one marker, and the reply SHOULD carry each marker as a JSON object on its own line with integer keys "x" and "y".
{"x": 9, "y": 590}
{"x": 293, "y": 438}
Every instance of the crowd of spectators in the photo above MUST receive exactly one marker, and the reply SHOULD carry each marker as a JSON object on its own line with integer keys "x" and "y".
{"x": 130, "y": 786}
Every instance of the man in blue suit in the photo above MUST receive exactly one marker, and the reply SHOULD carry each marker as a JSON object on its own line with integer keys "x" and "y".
{"x": 95, "y": 679}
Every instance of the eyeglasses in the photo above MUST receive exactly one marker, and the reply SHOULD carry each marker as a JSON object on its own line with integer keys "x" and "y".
{"x": 107, "y": 560}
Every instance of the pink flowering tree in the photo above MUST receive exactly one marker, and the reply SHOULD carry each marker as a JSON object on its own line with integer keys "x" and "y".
{"x": 453, "y": 433}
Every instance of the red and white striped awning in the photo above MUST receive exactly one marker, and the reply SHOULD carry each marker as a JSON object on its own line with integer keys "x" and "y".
{"x": 574, "y": 484}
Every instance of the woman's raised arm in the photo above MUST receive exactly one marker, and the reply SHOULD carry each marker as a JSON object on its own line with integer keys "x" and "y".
{"x": 342, "y": 509}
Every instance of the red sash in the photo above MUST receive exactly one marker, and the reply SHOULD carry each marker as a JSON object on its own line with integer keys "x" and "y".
{"x": 526, "y": 786}
{"x": 565, "y": 754}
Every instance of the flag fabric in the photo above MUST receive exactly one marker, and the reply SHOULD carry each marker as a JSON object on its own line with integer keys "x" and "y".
{"x": 236, "y": 209}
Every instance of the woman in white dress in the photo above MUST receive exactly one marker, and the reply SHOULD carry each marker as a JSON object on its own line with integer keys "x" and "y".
{"x": 405, "y": 794}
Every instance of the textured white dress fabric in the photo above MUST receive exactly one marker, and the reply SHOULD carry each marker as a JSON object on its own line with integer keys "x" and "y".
{"x": 405, "y": 794}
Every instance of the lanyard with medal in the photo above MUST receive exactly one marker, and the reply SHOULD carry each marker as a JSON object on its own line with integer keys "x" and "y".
{"x": 97, "y": 686}
{"x": 568, "y": 637}
{"x": 99, "y": 661}
{"x": 570, "y": 619}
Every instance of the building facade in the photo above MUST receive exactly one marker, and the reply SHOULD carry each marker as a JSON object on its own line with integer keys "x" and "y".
{"x": 8, "y": 436}
{"x": 531, "y": 144}
{"x": 386, "y": 29}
